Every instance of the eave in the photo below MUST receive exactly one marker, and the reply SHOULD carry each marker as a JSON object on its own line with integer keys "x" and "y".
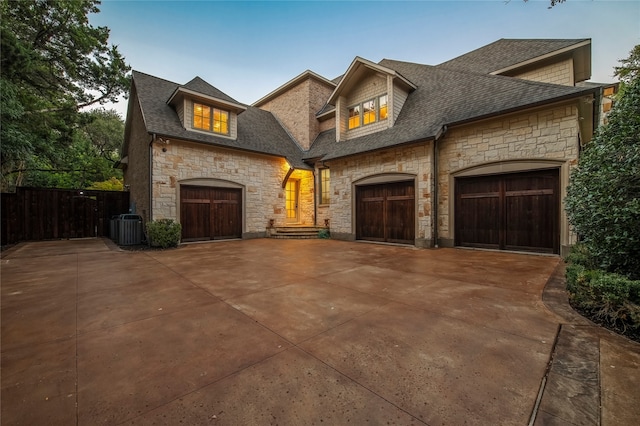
{"x": 579, "y": 52}
{"x": 354, "y": 73}
{"x": 180, "y": 93}
{"x": 292, "y": 83}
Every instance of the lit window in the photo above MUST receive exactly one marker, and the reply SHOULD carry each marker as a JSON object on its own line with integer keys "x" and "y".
{"x": 369, "y": 112}
{"x": 220, "y": 121}
{"x": 354, "y": 117}
{"x": 325, "y": 195}
{"x": 202, "y": 119}
{"x": 382, "y": 107}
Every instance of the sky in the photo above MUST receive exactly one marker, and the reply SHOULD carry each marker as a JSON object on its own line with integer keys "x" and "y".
{"x": 248, "y": 49}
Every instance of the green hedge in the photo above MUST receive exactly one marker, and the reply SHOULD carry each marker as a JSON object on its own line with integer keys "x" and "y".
{"x": 607, "y": 298}
{"x": 164, "y": 233}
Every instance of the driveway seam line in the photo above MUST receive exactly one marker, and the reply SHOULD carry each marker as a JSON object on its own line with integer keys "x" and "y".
{"x": 76, "y": 339}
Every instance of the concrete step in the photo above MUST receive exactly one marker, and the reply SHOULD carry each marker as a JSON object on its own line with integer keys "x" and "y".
{"x": 295, "y": 232}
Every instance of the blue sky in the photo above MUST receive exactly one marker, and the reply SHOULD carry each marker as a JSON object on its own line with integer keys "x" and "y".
{"x": 248, "y": 49}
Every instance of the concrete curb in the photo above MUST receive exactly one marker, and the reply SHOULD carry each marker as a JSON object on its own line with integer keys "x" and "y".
{"x": 572, "y": 389}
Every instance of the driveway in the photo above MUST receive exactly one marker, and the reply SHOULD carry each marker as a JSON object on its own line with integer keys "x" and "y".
{"x": 295, "y": 332}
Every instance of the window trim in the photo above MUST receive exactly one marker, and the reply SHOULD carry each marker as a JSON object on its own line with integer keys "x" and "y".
{"x": 325, "y": 186}
{"x": 212, "y": 113}
{"x": 360, "y": 107}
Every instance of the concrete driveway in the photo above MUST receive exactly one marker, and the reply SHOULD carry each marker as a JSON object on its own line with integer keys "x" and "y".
{"x": 297, "y": 332}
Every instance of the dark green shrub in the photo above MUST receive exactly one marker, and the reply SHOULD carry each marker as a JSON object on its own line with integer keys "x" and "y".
{"x": 610, "y": 299}
{"x": 603, "y": 197}
{"x": 164, "y": 233}
{"x": 324, "y": 234}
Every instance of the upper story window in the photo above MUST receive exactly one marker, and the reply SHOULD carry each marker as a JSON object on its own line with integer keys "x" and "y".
{"x": 210, "y": 119}
{"x": 354, "y": 117}
{"x": 368, "y": 112}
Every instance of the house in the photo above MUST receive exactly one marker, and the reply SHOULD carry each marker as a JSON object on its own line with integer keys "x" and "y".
{"x": 472, "y": 152}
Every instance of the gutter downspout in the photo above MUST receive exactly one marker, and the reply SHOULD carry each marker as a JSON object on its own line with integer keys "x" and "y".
{"x": 315, "y": 198}
{"x": 153, "y": 139}
{"x": 434, "y": 209}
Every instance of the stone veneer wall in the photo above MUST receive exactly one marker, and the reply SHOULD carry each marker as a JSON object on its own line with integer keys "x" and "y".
{"x": 297, "y": 107}
{"x": 261, "y": 177}
{"x": 549, "y": 134}
{"x": 414, "y": 160}
{"x": 136, "y": 174}
{"x": 557, "y": 73}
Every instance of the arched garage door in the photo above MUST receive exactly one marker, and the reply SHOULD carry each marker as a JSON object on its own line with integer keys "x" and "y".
{"x": 517, "y": 211}
{"x": 386, "y": 212}
{"x": 208, "y": 213}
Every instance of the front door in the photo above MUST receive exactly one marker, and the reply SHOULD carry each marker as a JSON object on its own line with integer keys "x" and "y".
{"x": 291, "y": 200}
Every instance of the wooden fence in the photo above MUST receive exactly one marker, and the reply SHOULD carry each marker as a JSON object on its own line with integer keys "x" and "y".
{"x": 33, "y": 214}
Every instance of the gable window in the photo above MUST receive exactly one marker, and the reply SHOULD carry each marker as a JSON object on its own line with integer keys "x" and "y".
{"x": 382, "y": 107}
{"x": 354, "y": 117}
{"x": 368, "y": 112}
{"x": 210, "y": 119}
{"x": 325, "y": 195}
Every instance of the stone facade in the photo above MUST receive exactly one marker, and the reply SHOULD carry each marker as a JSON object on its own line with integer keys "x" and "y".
{"x": 412, "y": 161}
{"x": 136, "y": 173}
{"x": 260, "y": 177}
{"x": 519, "y": 142}
{"x": 297, "y": 107}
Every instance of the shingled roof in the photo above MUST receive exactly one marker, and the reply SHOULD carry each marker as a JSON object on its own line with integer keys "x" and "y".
{"x": 444, "y": 97}
{"x": 258, "y": 130}
{"x": 505, "y": 53}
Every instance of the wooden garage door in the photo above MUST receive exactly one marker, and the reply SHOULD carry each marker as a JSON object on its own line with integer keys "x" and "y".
{"x": 386, "y": 212}
{"x": 518, "y": 211}
{"x": 210, "y": 213}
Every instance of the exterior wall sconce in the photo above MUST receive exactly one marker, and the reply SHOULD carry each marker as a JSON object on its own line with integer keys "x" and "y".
{"x": 326, "y": 223}
{"x": 271, "y": 223}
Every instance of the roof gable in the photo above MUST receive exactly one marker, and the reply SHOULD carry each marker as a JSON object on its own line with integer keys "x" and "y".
{"x": 308, "y": 74}
{"x": 258, "y": 131}
{"x": 360, "y": 67}
{"x": 446, "y": 97}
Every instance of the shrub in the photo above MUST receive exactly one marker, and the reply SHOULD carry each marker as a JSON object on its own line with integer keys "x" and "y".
{"x": 164, "y": 233}
{"x": 610, "y": 299}
{"x": 324, "y": 234}
{"x": 603, "y": 197}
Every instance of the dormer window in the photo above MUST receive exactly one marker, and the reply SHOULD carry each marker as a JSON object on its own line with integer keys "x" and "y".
{"x": 210, "y": 119}
{"x": 368, "y": 112}
{"x": 354, "y": 117}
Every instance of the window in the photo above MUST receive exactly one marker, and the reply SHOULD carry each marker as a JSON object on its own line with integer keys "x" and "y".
{"x": 368, "y": 112}
{"x": 202, "y": 119}
{"x": 325, "y": 195}
{"x": 354, "y": 117}
{"x": 382, "y": 107}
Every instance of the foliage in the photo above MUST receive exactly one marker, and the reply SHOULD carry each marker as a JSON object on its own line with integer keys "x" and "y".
{"x": 630, "y": 68}
{"x": 610, "y": 299}
{"x": 112, "y": 184}
{"x": 324, "y": 234}
{"x": 164, "y": 233}
{"x": 603, "y": 197}
{"x": 53, "y": 64}
{"x": 88, "y": 159}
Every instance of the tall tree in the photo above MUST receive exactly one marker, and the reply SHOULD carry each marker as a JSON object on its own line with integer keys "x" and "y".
{"x": 603, "y": 197}
{"x": 53, "y": 64}
{"x": 88, "y": 159}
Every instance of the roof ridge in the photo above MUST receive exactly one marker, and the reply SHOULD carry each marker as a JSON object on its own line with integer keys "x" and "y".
{"x": 153, "y": 76}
